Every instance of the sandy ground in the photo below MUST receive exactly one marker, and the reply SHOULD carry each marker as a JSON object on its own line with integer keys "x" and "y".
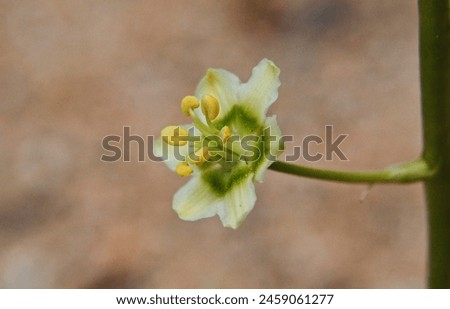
{"x": 72, "y": 72}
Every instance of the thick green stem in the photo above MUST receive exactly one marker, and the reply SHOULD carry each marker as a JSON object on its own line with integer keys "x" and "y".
{"x": 417, "y": 170}
{"x": 435, "y": 85}
{"x": 434, "y": 165}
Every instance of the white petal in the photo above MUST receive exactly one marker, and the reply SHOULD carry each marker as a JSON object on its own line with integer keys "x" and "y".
{"x": 261, "y": 90}
{"x": 238, "y": 203}
{"x": 173, "y": 155}
{"x": 276, "y": 148}
{"x": 221, "y": 84}
{"x": 195, "y": 200}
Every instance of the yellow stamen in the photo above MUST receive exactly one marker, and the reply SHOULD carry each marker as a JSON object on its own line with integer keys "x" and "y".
{"x": 210, "y": 107}
{"x": 183, "y": 169}
{"x": 200, "y": 156}
{"x": 174, "y": 135}
{"x": 226, "y": 133}
{"x": 188, "y": 103}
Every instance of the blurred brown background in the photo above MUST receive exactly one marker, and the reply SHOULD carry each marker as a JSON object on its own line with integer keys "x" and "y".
{"x": 72, "y": 72}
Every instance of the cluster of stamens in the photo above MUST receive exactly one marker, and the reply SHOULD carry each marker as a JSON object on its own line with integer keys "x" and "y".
{"x": 177, "y": 136}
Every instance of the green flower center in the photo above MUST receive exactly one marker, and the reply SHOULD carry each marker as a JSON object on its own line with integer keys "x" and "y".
{"x": 230, "y": 148}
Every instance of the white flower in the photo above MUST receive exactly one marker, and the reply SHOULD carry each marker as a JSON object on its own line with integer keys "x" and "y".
{"x": 228, "y": 147}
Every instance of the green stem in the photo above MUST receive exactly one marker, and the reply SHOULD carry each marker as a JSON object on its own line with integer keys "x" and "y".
{"x": 435, "y": 84}
{"x": 417, "y": 170}
{"x": 434, "y": 165}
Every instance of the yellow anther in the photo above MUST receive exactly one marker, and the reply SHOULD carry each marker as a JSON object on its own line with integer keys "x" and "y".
{"x": 210, "y": 107}
{"x": 188, "y": 103}
{"x": 183, "y": 169}
{"x": 200, "y": 156}
{"x": 226, "y": 133}
{"x": 173, "y": 135}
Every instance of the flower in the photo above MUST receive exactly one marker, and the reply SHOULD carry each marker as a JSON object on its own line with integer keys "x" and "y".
{"x": 227, "y": 148}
